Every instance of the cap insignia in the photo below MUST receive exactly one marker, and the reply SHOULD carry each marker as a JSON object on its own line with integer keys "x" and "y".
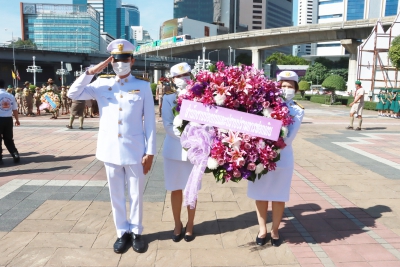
{"x": 181, "y": 68}
{"x": 287, "y": 74}
{"x": 120, "y": 47}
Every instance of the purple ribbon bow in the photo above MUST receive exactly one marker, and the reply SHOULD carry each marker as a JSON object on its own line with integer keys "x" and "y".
{"x": 198, "y": 140}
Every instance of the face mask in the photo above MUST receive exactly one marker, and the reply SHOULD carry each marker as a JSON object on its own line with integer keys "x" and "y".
{"x": 121, "y": 68}
{"x": 182, "y": 82}
{"x": 289, "y": 94}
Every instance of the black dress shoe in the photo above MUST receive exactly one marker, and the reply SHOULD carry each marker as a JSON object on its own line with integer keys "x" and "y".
{"x": 189, "y": 238}
{"x": 122, "y": 244}
{"x": 261, "y": 240}
{"x": 138, "y": 244}
{"x": 16, "y": 157}
{"x": 177, "y": 238}
{"x": 276, "y": 242}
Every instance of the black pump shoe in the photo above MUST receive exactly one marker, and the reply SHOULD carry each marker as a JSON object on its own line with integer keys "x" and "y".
{"x": 276, "y": 242}
{"x": 189, "y": 238}
{"x": 177, "y": 238}
{"x": 122, "y": 244}
{"x": 261, "y": 241}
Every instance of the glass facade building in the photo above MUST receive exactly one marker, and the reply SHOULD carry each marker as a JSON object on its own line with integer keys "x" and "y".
{"x": 67, "y": 28}
{"x": 391, "y": 7}
{"x": 115, "y": 18}
{"x": 202, "y": 10}
{"x": 355, "y": 9}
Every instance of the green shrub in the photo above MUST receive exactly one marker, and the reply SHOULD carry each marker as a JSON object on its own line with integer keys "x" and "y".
{"x": 370, "y": 105}
{"x": 153, "y": 88}
{"x": 319, "y": 98}
{"x": 304, "y": 86}
{"x": 334, "y": 82}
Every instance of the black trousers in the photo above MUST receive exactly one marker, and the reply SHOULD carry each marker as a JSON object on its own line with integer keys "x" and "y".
{"x": 6, "y": 133}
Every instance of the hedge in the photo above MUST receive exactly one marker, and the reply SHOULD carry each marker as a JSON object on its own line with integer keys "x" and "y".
{"x": 340, "y": 100}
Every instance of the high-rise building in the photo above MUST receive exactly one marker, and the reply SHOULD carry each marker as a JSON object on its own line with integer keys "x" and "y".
{"x": 307, "y": 14}
{"x": 63, "y": 27}
{"x": 201, "y": 10}
{"x": 116, "y": 18}
{"x": 266, "y": 14}
{"x": 344, "y": 10}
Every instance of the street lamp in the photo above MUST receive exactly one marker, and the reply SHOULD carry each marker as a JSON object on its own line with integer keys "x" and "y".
{"x": 12, "y": 42}
{"x": 62, "y": 72}
{"x": 211, "y": 52}
{"x": 34, "y": 69}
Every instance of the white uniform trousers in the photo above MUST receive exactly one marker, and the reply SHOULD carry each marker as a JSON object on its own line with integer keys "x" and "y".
{"x": 133, "y": 177}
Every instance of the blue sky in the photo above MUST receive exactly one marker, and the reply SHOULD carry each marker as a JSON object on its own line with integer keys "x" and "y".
{"x": 152, "y": 14}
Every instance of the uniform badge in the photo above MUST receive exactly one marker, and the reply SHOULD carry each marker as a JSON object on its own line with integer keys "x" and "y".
{"x": 135, "y": 91}
{"x": 120, "y": 47}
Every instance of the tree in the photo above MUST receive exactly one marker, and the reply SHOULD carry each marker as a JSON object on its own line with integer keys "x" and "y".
{"x": 316, "y": 73}
{"x": 333, "y": 83}
{"x": 341, "y": 72}
{"x": 283, "y": 59}
{"x": 243, "y": 58}
{"x": 394, "y": 52}
{"x": 24, "y": 44}
{"x": 303, "y": 86}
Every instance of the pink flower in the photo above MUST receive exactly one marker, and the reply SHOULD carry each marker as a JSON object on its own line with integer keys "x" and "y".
{"x": 236, "y": 155}
{"x": 251, "y": 166}
{"x": 237, "y": 173}
{"x": 232, "y": 139}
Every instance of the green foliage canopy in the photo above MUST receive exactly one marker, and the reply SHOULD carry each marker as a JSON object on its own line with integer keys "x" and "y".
{"x": 334, "y": 82}
{"x": 153, "y": 87}
{"x": 23, "y": 44}
{"x": 394, "y": 52}
{"x": 243, "y": 58}
{"x": 304, "y": 86}
{"x": 283, "y": 59}
{"x": 316, "y": 73}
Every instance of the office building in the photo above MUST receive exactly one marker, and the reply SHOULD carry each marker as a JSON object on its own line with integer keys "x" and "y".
{"x": 140, "y": 35}
{"x": 307, "y": 14}
{"x": 116, "y": 18}
{"x": 201, "y": 10}
{"x": 267, "y": 14}
{"x": 63, "y": 27}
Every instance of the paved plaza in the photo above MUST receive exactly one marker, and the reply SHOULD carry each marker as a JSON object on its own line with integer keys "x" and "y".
{"x": 344, "y": 208}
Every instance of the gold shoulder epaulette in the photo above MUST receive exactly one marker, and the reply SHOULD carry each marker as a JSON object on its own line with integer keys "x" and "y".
{"x": 141, "y": 78}
{"x": 107, "y": 76}
{"x": 298, "y": 104}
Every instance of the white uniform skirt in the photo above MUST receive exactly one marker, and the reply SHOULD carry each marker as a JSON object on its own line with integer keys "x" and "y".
{"x": 275, "y": 185}
{"x": 176, "y": 174}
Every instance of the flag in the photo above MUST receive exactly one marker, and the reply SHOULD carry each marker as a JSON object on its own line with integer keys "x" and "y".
{"x": 18, "y": 75}
{"x": 13, "y": 74}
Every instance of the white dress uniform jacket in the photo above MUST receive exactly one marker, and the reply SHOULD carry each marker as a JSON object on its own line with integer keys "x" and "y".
{"x": 172, "y": 144}
{"x": 275, "y": 185}
{"x": 177, "y": 167}
{"x": 124, "y": 138}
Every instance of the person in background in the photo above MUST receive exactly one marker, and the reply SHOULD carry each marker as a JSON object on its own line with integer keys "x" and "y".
{"x": 88, "y": 110}
{"x": 394, "y": 106}
{"x": 380, "y": 104}
{"x": 20, "y": 101}
{"x": 275, "y": 185}
{"x": 36, "y": 97}
{"x": 357, "y": 106}
{"x": 64, "y": 102}
{"x": 28, "y": 97}
{"x": 77, "y": 109}
{"x": 159, "y": 95}
{"x": 8, "y": 108}
{"x": 50, "y": 83}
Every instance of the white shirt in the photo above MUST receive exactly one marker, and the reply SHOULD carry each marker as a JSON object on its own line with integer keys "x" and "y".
{"x": 127, "y": 119}
{"x": 7, "y": 103}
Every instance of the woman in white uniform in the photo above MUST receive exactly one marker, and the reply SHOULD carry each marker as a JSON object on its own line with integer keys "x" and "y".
{"x": 275, "y": 185}
{"x": 176, "y": 166}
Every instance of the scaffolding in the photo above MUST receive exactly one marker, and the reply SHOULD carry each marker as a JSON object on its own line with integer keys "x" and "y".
{"x": 374, "y": 68}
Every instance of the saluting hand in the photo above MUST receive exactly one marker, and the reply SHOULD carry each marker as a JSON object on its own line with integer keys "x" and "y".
{"x": 100, "y": 67}
{"x": 147, "y": 161}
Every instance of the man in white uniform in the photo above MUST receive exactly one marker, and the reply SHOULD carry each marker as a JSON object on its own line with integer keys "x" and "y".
{"x": 127, "y": 137}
